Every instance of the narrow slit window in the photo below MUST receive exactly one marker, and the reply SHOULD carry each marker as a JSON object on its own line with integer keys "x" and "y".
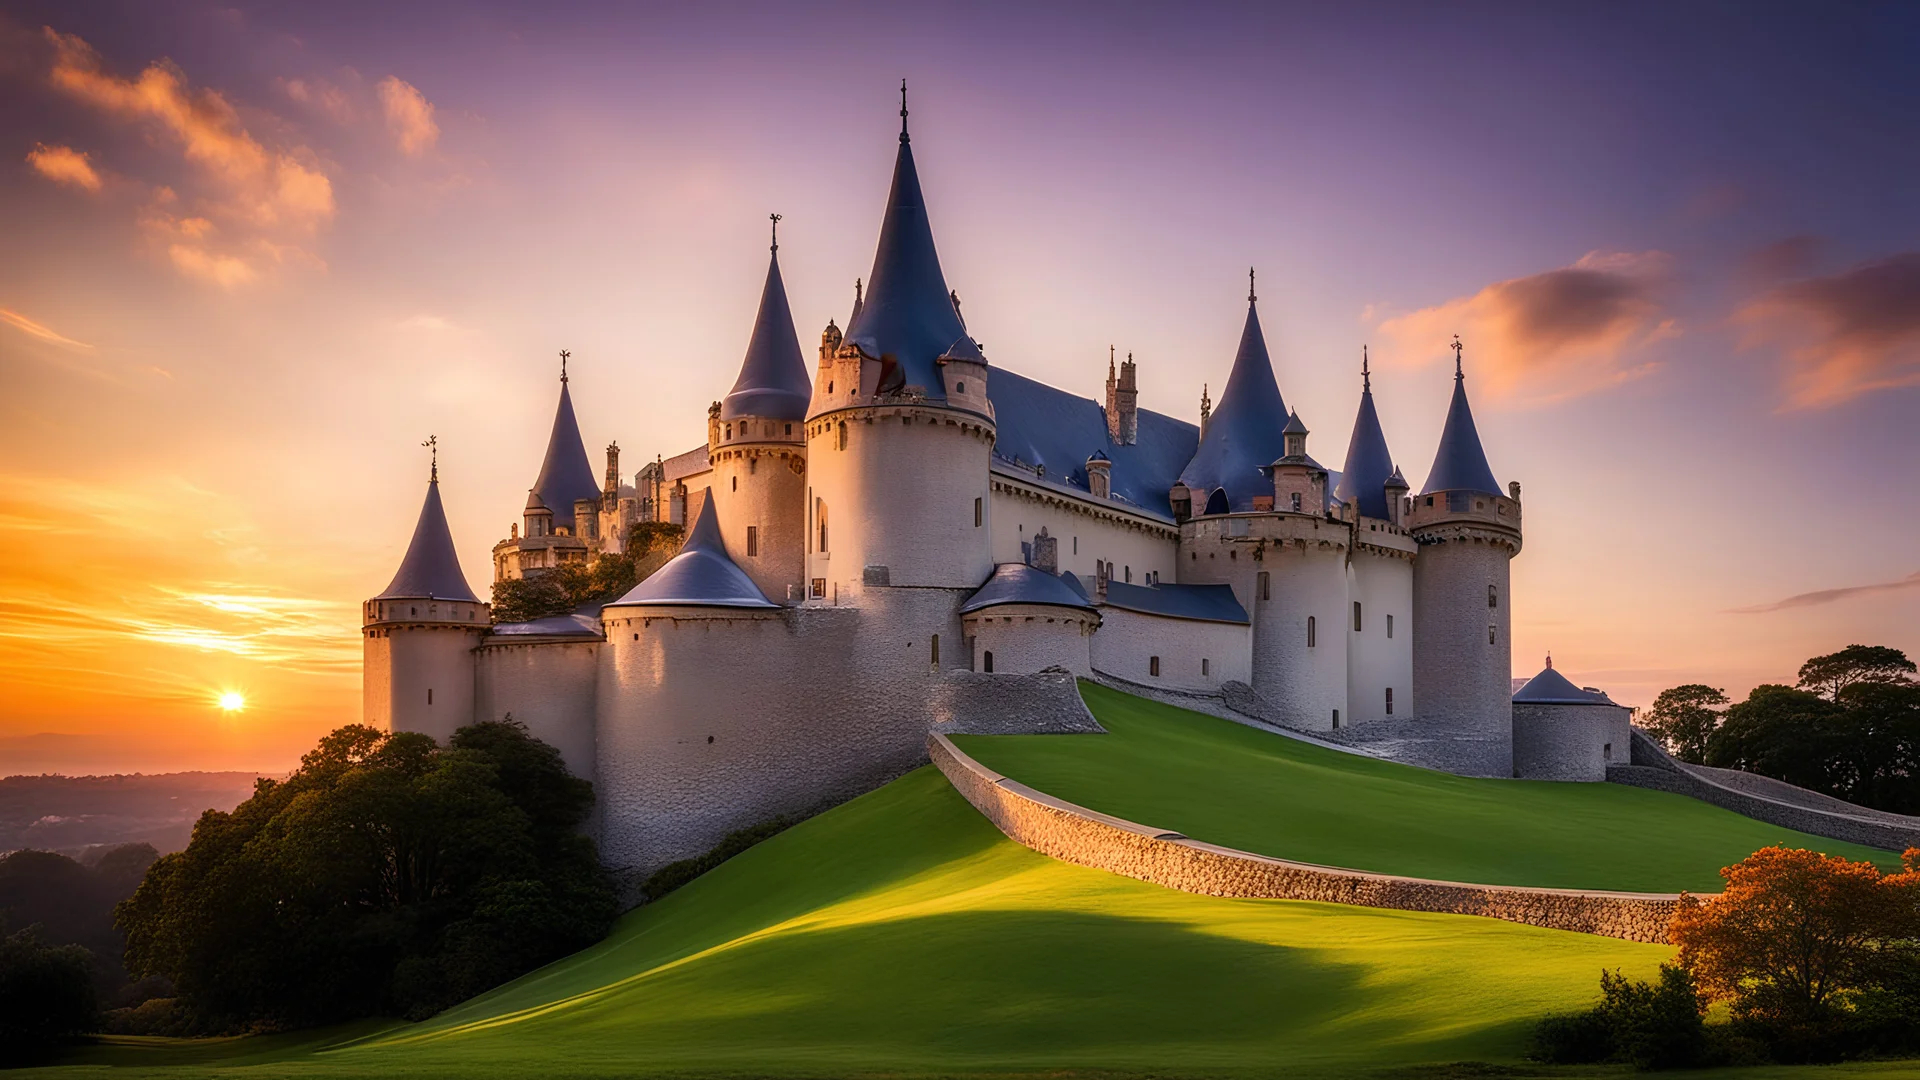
{"x": 1493, "y": 596}
{"x": 1389, "y": 626}
{"x": 753, "y": 540}
{"x": 1153, "y": 666}
{"x": 1492, "y": 638}
{"x": 1205, "y": 665}
{"x": 979, "y": 512}
{"x": 1310, "y": 632}
{"x": 429, "y": 695}
{"x": 936, "y": 651}
{"x": 1336, "y": 719}
{"x": 986, "y": 659}
{"x": 1356, "y": 616}
{"x": 1263, "y": 586}
{"x": 1389, "y": 701}
{"x": 843, "y": 434}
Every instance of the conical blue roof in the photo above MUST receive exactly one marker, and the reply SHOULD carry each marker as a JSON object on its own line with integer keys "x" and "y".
{"x": 565, "y": 475}
{"x": 431, "y": 569}
{"x": 1245, "y": 433}
{"x": 702, "y": 575}
{"x": 907, "y": 319}
{"x": 1552, "y": 688}
{"x": 773, "y": 379}
{"x": 1461, "y": 463}
{"x": 1018, "y": 583}
{"x": 1363, "y": 479}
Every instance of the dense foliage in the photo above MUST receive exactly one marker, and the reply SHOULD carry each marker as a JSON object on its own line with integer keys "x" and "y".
{"x": 1850, "y": 728}
{"x": 1654, "y": 1025}
{"x": 673, "y": 875}
{"x": 46, "y": 995}
{"x": 387, "y": 875}
{"x": 1818, "y": 957}
{"x": 71, "y": 902}
{"x": 569, "y": 587}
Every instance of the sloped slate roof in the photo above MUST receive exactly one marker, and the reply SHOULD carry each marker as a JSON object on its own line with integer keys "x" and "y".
{"x": 1245, "y": 432}
{"x": 702, "y": 575}
{"x": 773, "y": 378}
{"x": 1363, "y": 479}
{"x": 431, "y": 568}
{"x": 575, "y": 625}
{"x": 565, "y": 474}
{"x": 1018, "y": 583}
{"x": 907, "y": 315}
{"x": 1207, "y": 603}
{"x": 1460, "y": 464}
{"x": 1552, "y": 688}
{"x": 1041, "y": 425}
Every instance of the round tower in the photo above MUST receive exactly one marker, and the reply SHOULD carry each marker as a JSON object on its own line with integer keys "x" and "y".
{"x": 1467, "y": 532}
{"x": 1379, "y": 573}
{"x": 900, "y": 431}
{"x": 758, "y": 450}
{"x": 419, "y": 635}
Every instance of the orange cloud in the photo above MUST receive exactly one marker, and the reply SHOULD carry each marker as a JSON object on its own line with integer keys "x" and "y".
{"x": 1548, "y": 336}
{"x": 409, "y": 116}
{"x": 322, "y": 95}
{"x": 64, "y": 165}
{"x": 28, "y": 326}
{"x": 266, "y": 198}
{"x": 1845, "y": 335}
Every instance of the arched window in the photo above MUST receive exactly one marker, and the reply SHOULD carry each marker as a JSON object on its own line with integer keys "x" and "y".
{"x": 1310, "y": 632}
{"x": 1217, "y": 502}
{"x": 1493, "y": 596}
{"x": 986, "y": 661}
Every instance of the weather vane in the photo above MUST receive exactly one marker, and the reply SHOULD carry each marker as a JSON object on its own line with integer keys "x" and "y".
{"x": 903, "y": 110}
{"x": 433, "y": 446}
{"x": 1250, "y": 297}
{"x": 776, "y": 230}
{"x": 1457, "y": 372}
{"x": 563, "y": 364}
{"x": 1366, "y": 378}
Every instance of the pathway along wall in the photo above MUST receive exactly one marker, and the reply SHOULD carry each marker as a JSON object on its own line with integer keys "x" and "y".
{"x": 1077, "y": 835}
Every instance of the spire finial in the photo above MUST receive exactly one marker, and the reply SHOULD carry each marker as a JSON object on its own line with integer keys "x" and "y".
{"x": 1250, "y": 297}
{"x": 1549, "y": 659}
{"x": 433, "y": 446}
{"x": 1458, "y": 372}
{"x": 856, "y": 292}
{"x": 903, "y": 110}
{"x": 563, "y": 364}
{"x": 775, "y": 218}
{"x": 1366, "y": 377}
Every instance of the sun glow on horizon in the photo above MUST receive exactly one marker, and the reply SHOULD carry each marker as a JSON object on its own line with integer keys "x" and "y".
{"x": 232, "y": 701}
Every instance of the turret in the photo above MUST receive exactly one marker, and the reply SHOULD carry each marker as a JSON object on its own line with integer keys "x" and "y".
{"x": 1369, "y": 468}
{"x": 1243, "y": 433}
{"x": 900, "y": 431}
{"x": 1100, "y": 475}
{"x": 758, "y": 447}
{"x": 566, "y": 475}
{"x": 1462, "y": 630}
{"x": 1123, "y": 402}
{"x": 1299, "y": 482}
{"x": 420, "y": 631}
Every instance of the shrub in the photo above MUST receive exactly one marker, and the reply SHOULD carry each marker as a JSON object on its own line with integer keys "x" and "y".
{"x": 1647, "y": 1025}
{"x": 673, "y": 875}
{"x": 46, "y": 994}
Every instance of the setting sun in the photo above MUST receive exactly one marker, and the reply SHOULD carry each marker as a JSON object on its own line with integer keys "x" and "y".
{"x": 232, "y": 701}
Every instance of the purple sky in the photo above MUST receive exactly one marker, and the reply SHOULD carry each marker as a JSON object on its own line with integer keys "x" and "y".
{"x": 1682, "y": 243}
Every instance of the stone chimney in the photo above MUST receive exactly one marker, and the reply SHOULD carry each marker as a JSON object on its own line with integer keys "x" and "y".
{"x": 1123, "y": 397}
{"x": 610, "y": 493}
{"x": 1046, "y": 552}
{"x": 1100, "y": 476}
{"x": 829, "y": 343}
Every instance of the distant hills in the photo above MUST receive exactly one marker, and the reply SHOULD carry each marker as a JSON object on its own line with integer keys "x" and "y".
{"x": 70, "y": 814}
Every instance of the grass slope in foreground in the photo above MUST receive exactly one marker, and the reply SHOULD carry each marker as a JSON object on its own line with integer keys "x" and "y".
{"x": 1232, "y": 785}
{"x": 901, "y": 934}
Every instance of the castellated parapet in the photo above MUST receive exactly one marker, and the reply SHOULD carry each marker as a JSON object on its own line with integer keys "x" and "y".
{"x": 418, "y": 659}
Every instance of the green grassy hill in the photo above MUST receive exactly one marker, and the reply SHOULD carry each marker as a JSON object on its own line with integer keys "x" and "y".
{"x": 1229, "y": 784}
{"x": 901, "y": 934}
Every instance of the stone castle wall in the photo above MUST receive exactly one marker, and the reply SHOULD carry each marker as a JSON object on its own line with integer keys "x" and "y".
{"x": 1380, "y": 653}
{"x": 1026, "y": 638}
{"x": 1459, "y": 676}
{"x": 1021, "y": 509}
{"x": 1568, "y": 742}
{"x": 549, "y": 686}
{"x": 1077, "y": 835}
{"x": 1128, "y": 640}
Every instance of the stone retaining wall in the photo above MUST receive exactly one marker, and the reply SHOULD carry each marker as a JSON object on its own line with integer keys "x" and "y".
{"x": 1077, "y": 835}
{"x": 1653, "y": 768}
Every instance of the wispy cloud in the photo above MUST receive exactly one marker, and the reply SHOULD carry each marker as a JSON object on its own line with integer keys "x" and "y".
{"x": 1845, "y": 335}
{"x": 1828, "y": 596}
{"x": 322, "y": 95}
{"x": 33, "y": 329}
{"x": 64, "y": 165}
{"x": 260, "y": 204}
{"x": 1547, "y": 336}
{"x": 409, "y": 116}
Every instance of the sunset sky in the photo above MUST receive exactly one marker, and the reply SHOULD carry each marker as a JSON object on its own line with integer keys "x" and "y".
{"x": 252, "y": 255}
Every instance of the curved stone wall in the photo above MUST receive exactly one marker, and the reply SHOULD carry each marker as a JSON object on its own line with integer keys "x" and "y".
{"x": 1077, "y": 835}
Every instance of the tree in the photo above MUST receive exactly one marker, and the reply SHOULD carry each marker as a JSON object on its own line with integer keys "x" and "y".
{"x": 1784, "y": 733}
{"x": 572, "y": 586}
{"x": 1830, "y": 674}
{"x": 1792, "y": 935}
{"x": 1683, "y": 718}
{"x": 46, "y": 994}
{"x": 1878, "y": 745}
{"x": 387, "y": 874}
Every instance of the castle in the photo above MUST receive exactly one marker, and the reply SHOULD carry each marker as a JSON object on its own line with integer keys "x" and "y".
{"x": 871, "y": 544}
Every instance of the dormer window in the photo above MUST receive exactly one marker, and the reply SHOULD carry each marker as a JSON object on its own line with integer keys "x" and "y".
{"x": 960, "y": 386}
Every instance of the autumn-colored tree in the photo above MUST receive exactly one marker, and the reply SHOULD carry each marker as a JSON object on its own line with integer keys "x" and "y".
{"x": 1683, "y": 718}
{"x": 1794, "y": 933}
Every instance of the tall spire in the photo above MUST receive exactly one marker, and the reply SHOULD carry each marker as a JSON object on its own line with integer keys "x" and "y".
{"x": 431, "y": 568}
{"x": 1460, "y": 464}
{"x": 1369, "y": 465}
{"x": 565, "y": 473}
{"x": 773, "y": 378}
{"x": 1244, "y": 431}
{"x": 907, "y": 319}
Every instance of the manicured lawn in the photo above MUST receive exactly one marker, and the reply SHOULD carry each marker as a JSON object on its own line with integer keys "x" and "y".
{"x": 900, "y": 934}
{"x": 1232, "y": 785}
